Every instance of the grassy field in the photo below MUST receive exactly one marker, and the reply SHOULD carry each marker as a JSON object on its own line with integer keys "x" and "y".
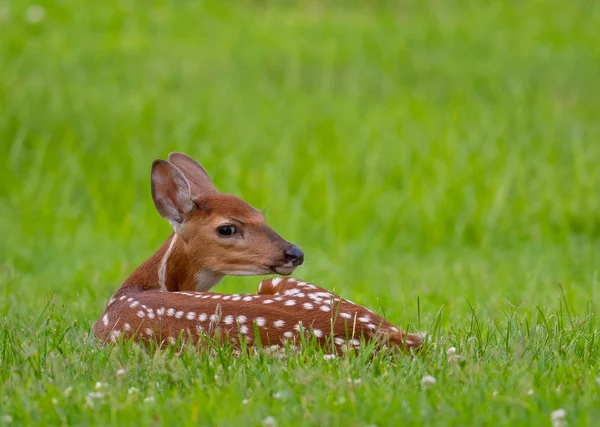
{"x": 436, "y": 161}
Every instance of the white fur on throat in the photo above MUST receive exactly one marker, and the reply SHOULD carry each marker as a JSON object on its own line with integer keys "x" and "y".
{"x": 162, "y": 268}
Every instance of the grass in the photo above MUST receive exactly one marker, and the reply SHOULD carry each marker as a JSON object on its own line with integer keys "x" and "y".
{"x": 436, "y": 161}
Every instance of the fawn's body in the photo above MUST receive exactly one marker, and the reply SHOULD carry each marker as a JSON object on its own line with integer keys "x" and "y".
{"x": 166, "y": 298}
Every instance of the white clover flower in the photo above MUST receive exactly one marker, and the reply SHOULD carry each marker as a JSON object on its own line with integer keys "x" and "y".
{"x": 121, "y": 373}
{"x": 99, "y": 385}
{"x": 530, "y": 392}
{"x": 558, "y": 418}
{"x": 35, "y": 14}
{"x": 95, "y": 395}
{"x": 452, "y": 356}
{"x": 428, "y": 381}
{"x": 269, "y": 422}
{"x": 245, "y": 401}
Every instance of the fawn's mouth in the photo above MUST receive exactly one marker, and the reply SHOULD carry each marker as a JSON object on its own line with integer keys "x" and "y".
{"x": 284, "y": 269}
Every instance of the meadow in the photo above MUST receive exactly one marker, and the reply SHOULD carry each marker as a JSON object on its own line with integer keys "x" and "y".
{"x": 437, "y": 161}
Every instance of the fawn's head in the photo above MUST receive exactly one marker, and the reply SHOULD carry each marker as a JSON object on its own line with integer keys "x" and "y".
{"x": 221, "y": 233}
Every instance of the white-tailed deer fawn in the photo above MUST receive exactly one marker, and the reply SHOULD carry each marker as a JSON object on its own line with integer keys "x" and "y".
{"x": 166, "y": 298}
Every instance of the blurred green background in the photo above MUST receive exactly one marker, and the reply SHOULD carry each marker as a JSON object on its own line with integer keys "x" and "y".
{"x": 440, "y": 150}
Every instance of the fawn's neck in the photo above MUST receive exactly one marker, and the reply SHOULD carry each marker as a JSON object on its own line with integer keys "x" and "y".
{"x": 169, "y": 270}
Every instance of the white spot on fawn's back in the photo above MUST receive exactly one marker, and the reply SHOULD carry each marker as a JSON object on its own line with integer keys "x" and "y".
{"x": 105, "y": 320}
{"x": 114, "y": 335}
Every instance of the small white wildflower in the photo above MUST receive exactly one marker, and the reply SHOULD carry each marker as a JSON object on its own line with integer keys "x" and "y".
{"x": 149, "y": 399}
{"x": 99, "y": 385}
{"x": 269, "y": 422}
{"x": 121, "y": 373}
{"x": 558, "y": 418}
{"x": 68, "y": 391}
{"x": 96, "y": 395}
{"x": 279, "y": 395}
{"x": 530, "y": 392}
{"x": 452, "y": 355}
{"x": 245, "y": 401}
{"x": 7, "y": 419}
{"x": 329, "y": 356}
{"x": 133, "y": 390}
{"x": 35, "y": 14}
{"x": 427, "y": 381}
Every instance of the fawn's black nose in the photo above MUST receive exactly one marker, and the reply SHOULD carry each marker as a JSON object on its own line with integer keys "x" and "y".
{"x": 294, "y": 255}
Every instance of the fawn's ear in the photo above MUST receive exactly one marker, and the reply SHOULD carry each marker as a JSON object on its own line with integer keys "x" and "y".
{"x": 170, "y": 192}
{"x": 200, "y": 183}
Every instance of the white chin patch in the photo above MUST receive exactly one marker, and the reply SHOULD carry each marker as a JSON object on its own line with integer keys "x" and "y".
{"x": 285, "y": 269}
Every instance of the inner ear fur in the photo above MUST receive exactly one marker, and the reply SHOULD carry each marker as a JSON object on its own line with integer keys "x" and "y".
{"x": 171, "y": 192}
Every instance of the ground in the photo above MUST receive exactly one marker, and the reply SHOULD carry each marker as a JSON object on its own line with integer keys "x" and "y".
{"x": 436, "y": 161}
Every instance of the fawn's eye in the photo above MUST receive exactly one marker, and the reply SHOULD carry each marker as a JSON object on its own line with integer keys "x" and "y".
{"x": 226, "y": 230}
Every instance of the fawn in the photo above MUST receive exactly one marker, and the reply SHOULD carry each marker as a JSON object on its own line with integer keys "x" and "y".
{"x": 166, "y": 298}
